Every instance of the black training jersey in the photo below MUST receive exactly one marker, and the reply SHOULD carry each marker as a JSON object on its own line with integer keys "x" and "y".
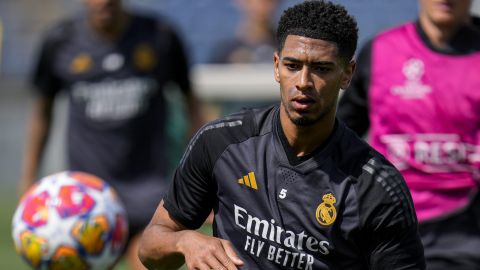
{"x": 343, "y": 207}
{"x": 116, "y": 124}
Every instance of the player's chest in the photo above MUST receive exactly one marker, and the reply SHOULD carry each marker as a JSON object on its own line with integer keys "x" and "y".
{"x": 431, "y": 85}
{"x": 281, "y": 213}
{"x": 80, "y": 60}
{"x": 311, "y": 197}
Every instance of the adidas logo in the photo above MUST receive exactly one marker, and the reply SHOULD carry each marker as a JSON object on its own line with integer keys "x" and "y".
{"x": 249, "y": 180}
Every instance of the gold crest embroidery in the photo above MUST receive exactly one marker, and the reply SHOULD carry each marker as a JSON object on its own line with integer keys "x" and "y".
{"x": 326, "y": 212}
{"x": 81, "y": 63}
{"x": 144, "y": 57}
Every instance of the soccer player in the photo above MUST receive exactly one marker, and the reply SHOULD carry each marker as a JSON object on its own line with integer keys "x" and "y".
{"x": 416, "y": 90}
{"x": 254, "y": 40}
{"x": 113, "y": 65}
{"x": 291, "y": 186}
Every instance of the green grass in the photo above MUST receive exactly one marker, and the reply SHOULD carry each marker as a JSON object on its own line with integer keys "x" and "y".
{"x": 9, "y": 259}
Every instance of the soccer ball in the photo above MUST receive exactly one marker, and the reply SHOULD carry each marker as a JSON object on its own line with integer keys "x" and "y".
{"x": 70, "y": 220}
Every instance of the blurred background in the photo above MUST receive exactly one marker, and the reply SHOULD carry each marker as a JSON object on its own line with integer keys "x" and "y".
{"x": 202, "y": 24}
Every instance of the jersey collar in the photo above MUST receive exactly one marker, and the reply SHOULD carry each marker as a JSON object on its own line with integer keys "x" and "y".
{"x": 320, "y": 151}
{"x": 465, "y": 41}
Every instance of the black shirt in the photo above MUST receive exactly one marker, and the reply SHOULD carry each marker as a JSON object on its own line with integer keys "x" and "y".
{"x": 344, "y": 207}
{"x": 116, "y": 122}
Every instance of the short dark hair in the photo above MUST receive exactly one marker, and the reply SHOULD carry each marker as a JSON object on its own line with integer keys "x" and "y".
{"x": 320, "y": 19}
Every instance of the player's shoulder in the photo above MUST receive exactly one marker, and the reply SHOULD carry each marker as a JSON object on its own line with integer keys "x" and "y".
{"x": 62, "y": 30}
{"x": 394, "y": 32}
{"x": 354, "y": 152}
{"x": 383, "y": 192}
{"x": 240, "y": 125}
{"x": 386, "y": 33}
{"x": 378, "y": 171}
{"x": 362, "y": 162}
{"x": 146, "y": 18}
{"x": 151, "y": 22}
{"x": 386, "y": 36}
{"x": 376, "y": 180}
{"x": 214, "y": 137}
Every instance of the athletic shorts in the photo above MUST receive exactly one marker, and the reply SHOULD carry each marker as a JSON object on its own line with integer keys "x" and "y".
{"x": 453, "y": 242}
{"x": 140, "y": 199}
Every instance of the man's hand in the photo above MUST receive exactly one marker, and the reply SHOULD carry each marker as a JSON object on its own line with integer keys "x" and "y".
{"x": 206, "y": 252}
{"x": 167, "y": 244}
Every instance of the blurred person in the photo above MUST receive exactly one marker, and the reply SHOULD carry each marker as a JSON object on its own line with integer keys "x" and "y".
{"x": 1, "y": 44}
{"x": 291, "y": 187}
{"x": 254, "y": 41}
{"x": 114, "y": 65}
{"x": 416, "y": 92}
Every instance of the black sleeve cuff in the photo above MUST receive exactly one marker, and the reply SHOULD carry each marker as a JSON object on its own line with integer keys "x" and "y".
{"x": 180, "y": 217}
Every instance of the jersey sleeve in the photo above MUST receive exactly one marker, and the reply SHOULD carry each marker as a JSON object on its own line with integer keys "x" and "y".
{"x": 389, "y": 234}
{"x": 43, "y": 77}
{"x": 178, "y": 67}
{"x": 353, "y": 105}
{"x": 191, "y": 195}
{"x": 193, "y": 192}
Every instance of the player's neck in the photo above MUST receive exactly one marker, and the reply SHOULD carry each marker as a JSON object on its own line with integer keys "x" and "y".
{"x": 306, "y": 139}
{"x": 439, "y": 34}
{"x": 112, "y": 29}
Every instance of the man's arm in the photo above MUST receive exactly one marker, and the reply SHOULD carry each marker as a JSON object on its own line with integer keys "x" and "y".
{"x": 389, "y": 236}
{"x": 46, "y": 85}
{"x": 166, "y": 244}
{"x": 397, "y": 248}
{"x": 194, "y": 113}
{"x": 180, "y": 74}
{"x": 37, "y": 136}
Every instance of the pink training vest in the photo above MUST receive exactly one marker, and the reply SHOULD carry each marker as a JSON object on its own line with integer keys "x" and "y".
{"x": 425, "y": 118}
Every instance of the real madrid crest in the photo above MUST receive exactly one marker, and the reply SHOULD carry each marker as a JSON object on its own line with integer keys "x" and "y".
{"x": 81, "y": 63}
{"x": 144, "y": 57}
{"x": 326, "y": 212}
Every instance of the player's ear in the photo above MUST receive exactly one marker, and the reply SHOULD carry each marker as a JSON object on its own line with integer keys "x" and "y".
{"x": 348, "y": 71}
{"x": 276, "y": 63}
